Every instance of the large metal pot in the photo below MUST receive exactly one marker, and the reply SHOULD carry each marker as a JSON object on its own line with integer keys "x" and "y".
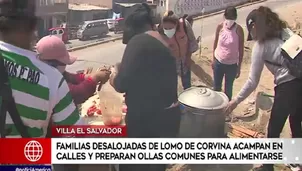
{"x": 203, "y": 115}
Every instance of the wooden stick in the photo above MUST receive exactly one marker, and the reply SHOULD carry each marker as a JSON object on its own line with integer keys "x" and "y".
{"x": 244, "y": 130}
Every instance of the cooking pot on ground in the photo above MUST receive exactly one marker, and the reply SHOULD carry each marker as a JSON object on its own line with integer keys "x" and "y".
{"x": 202, "y": 113}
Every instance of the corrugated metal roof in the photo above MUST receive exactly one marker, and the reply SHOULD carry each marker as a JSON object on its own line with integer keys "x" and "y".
{"x": 100, "y": 3}
{"x": 127, "y": 4}
{"x": 85, "y": 7}
{"x": 131, "y": 4}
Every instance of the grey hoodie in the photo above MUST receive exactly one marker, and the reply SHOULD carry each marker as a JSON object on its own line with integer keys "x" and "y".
{"x": 269, "y": 50}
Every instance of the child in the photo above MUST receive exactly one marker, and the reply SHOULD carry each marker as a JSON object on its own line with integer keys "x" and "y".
{"x": 52, "y": 51}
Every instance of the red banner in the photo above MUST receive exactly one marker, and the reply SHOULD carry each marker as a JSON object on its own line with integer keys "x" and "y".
{"x": 25, "y": 151}
{"x": 89, "y": 131}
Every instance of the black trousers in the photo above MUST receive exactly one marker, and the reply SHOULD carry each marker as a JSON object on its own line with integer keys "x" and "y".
{"x": 152, "y": 124}
{"x": 287, "y": 103}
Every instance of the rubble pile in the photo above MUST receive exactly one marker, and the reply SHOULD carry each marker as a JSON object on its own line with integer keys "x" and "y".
{"x": 236, "y": 131}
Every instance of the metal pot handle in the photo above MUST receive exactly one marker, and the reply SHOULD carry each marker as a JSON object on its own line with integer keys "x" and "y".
{"x": 200, "y": 86}
{"x": 203, "y": 86}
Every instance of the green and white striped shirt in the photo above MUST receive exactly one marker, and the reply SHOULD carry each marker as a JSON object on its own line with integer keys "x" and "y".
{"x": 40, "y": 93}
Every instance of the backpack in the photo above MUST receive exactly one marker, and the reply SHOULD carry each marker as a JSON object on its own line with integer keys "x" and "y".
{"x": 291, "y": 51}
{"x": 7, "y": 104}
{"x": 193, "y": 44}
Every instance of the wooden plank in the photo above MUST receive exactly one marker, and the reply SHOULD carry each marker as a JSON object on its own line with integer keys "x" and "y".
{"x": 244, "y": 130}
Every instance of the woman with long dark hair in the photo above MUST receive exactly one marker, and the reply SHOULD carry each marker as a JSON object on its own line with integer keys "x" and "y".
{"x": 267, "y": 30}
{"x": 147, "y": 75}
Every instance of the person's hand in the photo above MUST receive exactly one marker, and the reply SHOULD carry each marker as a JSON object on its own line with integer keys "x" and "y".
{"x": 213, "y": 65}
{"x": 111, "y": 79}
{"x": 230, "y": 107}
{"x": 117, "y": 67}
{"x": 88, "y": 70}
{"x": 114, "y": 70}
{"x": 104, "y": 68}
{"x": 198, "y": 39}
{"x": 102, "y": 75}
{"x": 238, "y": 72}
{"x": 188, "y": 62}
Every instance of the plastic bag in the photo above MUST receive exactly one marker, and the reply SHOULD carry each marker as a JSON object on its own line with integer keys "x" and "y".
{"x": 111, "y": 103}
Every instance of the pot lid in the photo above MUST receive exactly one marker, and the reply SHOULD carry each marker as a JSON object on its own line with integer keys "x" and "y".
{"x": 203, "y": 98}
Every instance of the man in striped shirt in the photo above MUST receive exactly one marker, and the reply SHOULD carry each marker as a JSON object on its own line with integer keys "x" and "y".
{"x": 40, "y": 91}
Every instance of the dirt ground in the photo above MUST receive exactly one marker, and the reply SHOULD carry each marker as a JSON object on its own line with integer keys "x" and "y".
{"x": 202, "y": 74}
{"x": 254, "y": 112}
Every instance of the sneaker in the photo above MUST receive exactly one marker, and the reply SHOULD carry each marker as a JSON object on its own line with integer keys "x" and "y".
{"x": 262, "y": 168}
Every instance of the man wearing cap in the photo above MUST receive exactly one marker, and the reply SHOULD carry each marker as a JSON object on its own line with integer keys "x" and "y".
{"x": 40, "y": 92}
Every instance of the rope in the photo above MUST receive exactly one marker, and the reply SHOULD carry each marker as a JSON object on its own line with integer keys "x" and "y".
{"x": 201, "y": 30}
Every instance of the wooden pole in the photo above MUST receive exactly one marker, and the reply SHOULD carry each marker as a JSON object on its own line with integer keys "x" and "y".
{"x": 201, "y": 30}
{"x": 67, "y": 21}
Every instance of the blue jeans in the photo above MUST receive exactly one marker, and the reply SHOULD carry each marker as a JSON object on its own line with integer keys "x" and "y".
{"x": 185, "y": 77}
{"x": 229, "y": 72}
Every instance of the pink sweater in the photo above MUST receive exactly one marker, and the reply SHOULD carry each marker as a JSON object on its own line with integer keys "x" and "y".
{"x": 227, "y": 50}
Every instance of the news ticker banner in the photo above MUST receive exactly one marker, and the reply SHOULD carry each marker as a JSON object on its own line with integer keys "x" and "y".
{"x": 150, "y": 151}
{"x": 25, "y": 151}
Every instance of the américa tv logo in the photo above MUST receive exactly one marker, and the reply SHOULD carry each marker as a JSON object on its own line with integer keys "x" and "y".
{"x": 33, "y": 151}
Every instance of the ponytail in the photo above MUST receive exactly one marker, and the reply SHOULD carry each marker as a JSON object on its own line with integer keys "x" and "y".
{"x": 269, "y": 24}
{"x": 169, "y": 16}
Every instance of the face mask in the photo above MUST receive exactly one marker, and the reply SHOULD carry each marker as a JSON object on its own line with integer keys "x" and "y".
{"x": 229, "y": 23}
{"x": 170, "y": 33}
{"x": 61, "y": 68}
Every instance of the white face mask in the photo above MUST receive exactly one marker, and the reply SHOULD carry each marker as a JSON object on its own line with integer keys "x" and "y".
{"x": 229, "y": 23}
{"x": 170, "y": 33}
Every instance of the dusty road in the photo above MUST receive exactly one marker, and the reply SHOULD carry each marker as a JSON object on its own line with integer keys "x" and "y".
{"x": 77, "y": 42}
{"x": 111, "y": 53}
